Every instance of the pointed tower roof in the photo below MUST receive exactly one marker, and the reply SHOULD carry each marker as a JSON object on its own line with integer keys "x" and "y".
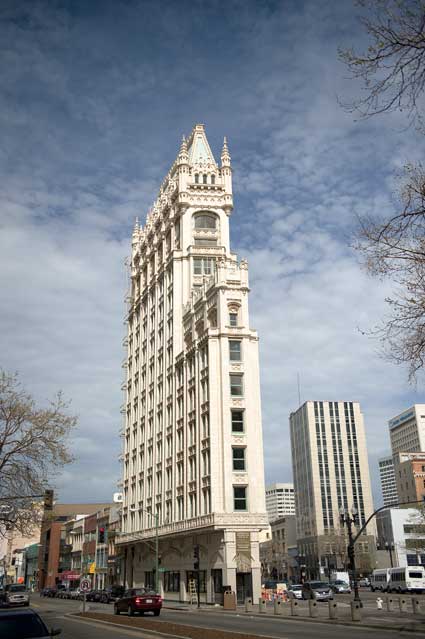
{"x": 199, "y": 149}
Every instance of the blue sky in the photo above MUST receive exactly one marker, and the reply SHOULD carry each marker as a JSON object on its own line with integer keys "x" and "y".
{"x": 95, "y": 97}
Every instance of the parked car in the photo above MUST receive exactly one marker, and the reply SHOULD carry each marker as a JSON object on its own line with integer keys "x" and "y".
{"x": 364, "y": 583}
{"x": 94, "y": 595}
{"x": 270, "y": 584}
{"x": 16, "y": 595}
{"x": 74, "y": 593}
{"x": 24, "y": 623}
{"x": 112, "y": 593}
{"x": 319, "y": 590}
{"x": 295, "y": 591}
{"x": 139, "y": 600}
{"x": 341, "y": 587}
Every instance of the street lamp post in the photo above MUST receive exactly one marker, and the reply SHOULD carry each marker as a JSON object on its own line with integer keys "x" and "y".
{"x": 156, "y": 517}
{"x": 389, "y": 547}
{"x": 349, "y": 521}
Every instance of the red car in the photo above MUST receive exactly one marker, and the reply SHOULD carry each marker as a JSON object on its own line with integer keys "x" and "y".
{"x": 139, "y": 600}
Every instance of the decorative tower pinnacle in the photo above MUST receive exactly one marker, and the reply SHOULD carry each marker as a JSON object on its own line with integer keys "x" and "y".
{"x": 225, "y": 155}
{"x": 183, "y": 154}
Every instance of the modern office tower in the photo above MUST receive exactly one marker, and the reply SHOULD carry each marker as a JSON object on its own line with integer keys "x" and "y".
{"x": 388, "y": 482}
{"x": 193, "y": 449}
{"x": 331, "y": 473}
{"x": 280, "y": 501}
{"x": 407, "y": 430}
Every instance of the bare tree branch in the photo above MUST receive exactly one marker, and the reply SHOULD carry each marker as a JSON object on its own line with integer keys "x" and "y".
{"x": 33, "y": 444}
{"x": 393, "y": 67}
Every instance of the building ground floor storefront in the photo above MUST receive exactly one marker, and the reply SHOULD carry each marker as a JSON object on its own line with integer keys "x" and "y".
{"x": 228, "y": 560}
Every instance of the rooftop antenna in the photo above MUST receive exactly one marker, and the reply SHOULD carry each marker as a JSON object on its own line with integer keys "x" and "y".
{"x": 299, "y": 389}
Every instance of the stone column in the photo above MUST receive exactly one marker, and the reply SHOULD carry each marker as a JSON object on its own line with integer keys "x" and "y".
{"x": 255, "y": 566}
{"x": 229, "y": 568}
{"x": 210, "y": 590}
{"x": 182, "y": 585}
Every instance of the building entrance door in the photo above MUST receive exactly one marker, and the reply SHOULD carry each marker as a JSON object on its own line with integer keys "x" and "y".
{"x": 243, "y": 586}
{"x": 217, "y": 579}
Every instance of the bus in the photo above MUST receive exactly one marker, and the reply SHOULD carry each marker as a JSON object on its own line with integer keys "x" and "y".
{"x": 408, "y": 579}
{"x": 379, "y": 579}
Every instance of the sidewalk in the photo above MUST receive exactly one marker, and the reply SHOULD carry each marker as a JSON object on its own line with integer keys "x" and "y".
{"x": 371, "y": 617}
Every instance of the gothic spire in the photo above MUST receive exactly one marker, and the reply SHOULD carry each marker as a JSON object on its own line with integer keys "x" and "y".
{"x": 183, "y": 154}
{"x": 225, "y": 155}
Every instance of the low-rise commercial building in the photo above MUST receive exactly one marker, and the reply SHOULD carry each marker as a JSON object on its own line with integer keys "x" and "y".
{"x": 275, "y": 553}
{"x": 55, "y": 559}
{"x": 401, "y": 532}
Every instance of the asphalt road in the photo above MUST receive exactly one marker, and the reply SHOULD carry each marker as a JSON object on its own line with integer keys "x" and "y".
{"x": 56, "y": 613}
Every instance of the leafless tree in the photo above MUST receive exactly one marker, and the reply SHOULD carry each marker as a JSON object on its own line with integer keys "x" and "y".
{"x": 33, "y": 446}
{"x": 392, "y": 68}
{"x": 395, "y": 248}
{"x": 393, "y": 74}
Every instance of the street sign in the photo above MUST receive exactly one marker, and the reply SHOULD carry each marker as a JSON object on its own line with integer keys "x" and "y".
{"x": 162, "y": 569}
{"x": 85, "y": 585}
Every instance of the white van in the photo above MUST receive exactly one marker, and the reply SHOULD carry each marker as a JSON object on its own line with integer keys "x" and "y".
{"x": 379, "y": 579}
{"x": 409, "y": 579}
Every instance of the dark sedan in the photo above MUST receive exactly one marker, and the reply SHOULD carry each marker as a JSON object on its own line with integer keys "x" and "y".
{"x": 24, "y": 623}
{"x": 112, "y": 593}
{"x": 139, "y": 600}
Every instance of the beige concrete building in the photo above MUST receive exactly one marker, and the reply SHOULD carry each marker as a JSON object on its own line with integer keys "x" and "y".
{"x": 331, "y": 472}
{"x": 193, "y": 451}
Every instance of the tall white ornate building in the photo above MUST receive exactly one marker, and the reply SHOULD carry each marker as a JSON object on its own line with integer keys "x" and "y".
{"x": 193, "y": 450}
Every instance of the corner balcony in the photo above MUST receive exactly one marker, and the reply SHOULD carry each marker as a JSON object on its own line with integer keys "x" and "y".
{"x": 212, "y": 522}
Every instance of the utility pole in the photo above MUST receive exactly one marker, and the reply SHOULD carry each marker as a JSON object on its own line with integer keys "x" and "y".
{"x": 349, "y": 521}
{"x": 196, "y": 567}
{"x": 352, "y": 539}
{"x": 389, "y": 547}
{"x": 156, "y": 554}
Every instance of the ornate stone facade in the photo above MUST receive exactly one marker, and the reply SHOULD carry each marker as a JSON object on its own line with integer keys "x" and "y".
{"x": 193, "y": 452}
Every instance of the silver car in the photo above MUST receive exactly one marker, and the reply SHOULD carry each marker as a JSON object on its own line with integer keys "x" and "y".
{"x": 318, "y": 590}
{"x": 16, "y": 595}
{"x": 295, "y": 591}
{"x": 340, "y": 587}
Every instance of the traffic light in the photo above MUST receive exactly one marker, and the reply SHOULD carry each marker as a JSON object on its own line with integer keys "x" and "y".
{"x": 48, "y": 500}
{"x": 196, "y": 557}
{"x": 101, "y": 536}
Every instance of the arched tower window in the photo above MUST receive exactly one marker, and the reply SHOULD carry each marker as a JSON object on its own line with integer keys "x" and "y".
{"x": 196, "y": 178}
{"x": 205, "y": 221}
{"x": 213, "y": 179}
{"x": 205, "y": 178}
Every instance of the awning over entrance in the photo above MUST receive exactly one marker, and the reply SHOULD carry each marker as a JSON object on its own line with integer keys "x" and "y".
{"x": 69, "y": 575}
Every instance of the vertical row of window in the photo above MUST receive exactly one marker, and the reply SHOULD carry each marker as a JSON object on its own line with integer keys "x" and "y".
{"x": 341, "y": 488}
{"x": 353, "y": 455}
{"x": 237, "y": 419}
{"x": 325, "y": 486}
